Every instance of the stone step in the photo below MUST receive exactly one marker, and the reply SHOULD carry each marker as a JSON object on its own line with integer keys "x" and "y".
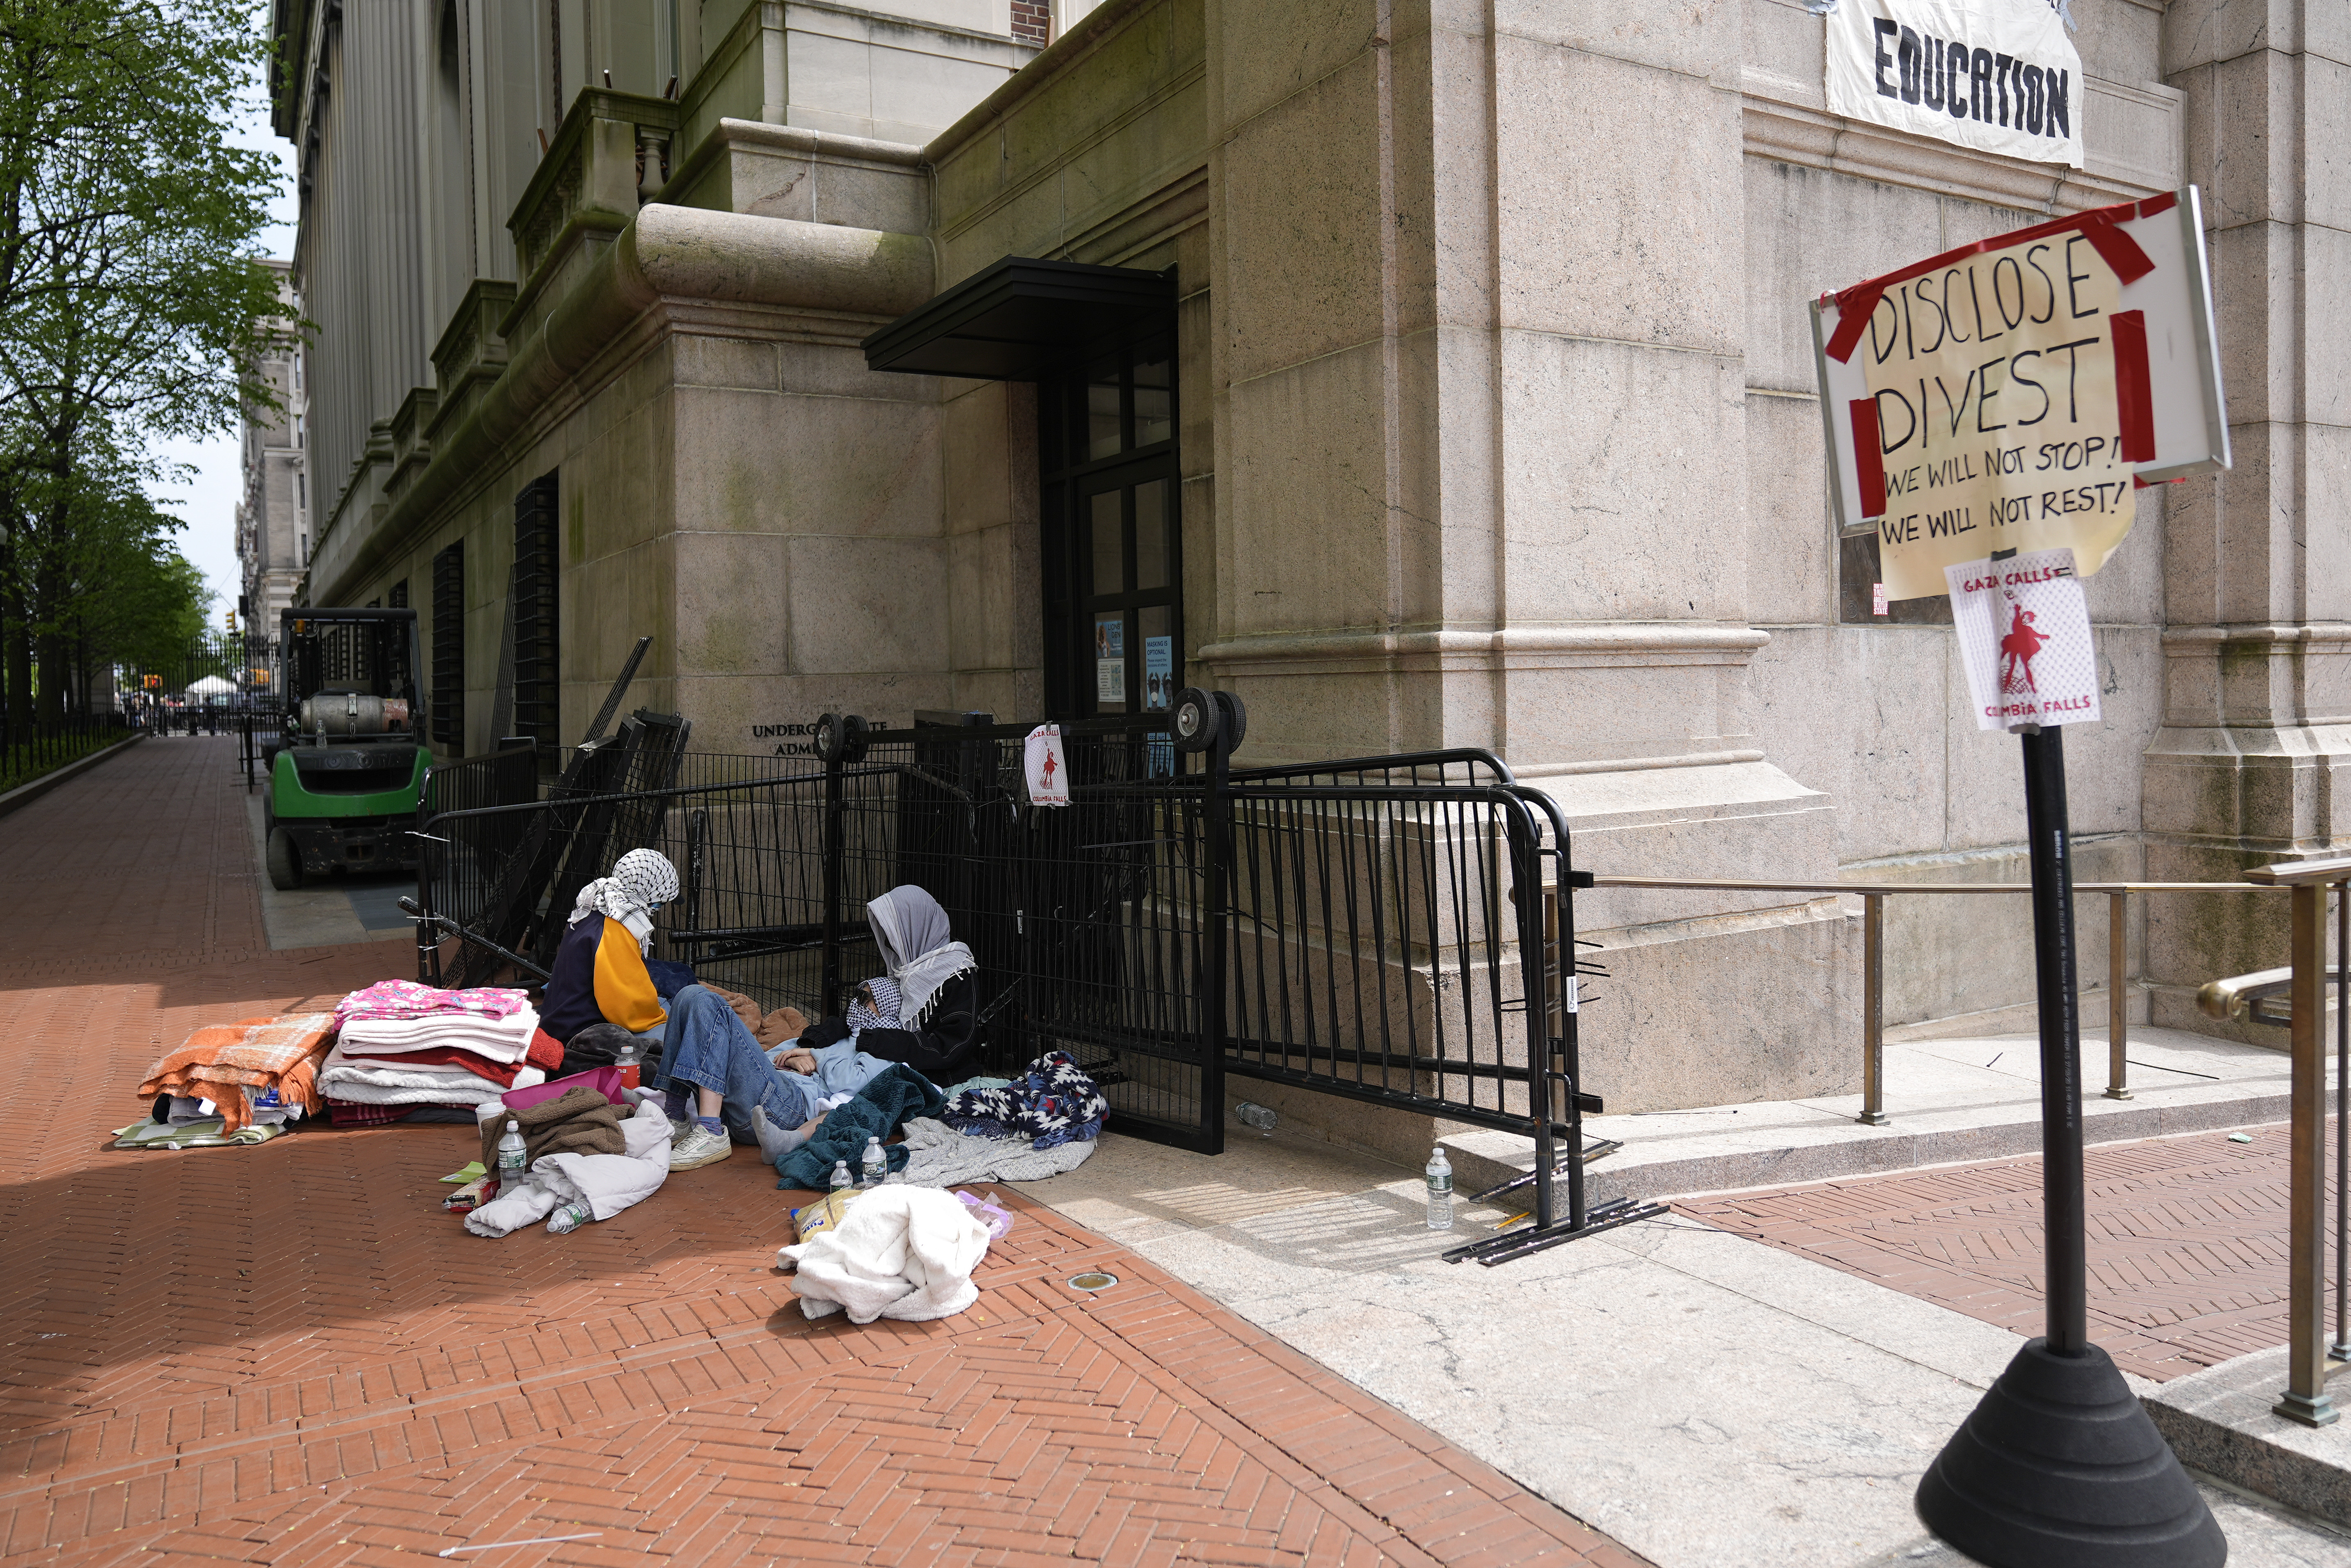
{"x": 1943, "y": 1108}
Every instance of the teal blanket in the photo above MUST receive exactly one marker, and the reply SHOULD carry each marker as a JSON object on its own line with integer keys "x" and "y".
{"x": 887, "y": 1103}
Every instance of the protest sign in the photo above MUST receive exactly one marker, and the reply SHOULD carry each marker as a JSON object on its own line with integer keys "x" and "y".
{"x": 2013, "y": 394}
{"x": 1999, "y": 76}
{"x": 1048, "y": 766}
{"x": 2025, "y": 641}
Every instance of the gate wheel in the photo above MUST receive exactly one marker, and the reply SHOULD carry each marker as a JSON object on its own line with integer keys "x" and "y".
{"x": 284, "y": 860}
{"x": 1235, "y": 720}
{"x": 1195, "y": 720}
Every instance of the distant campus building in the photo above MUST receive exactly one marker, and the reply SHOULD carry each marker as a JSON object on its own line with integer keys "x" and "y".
{"x": 1424, "y": 388}
{"x": 273, "y": 508}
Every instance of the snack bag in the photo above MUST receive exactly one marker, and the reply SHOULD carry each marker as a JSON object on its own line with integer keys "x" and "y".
{"x": 823, "y": 1215}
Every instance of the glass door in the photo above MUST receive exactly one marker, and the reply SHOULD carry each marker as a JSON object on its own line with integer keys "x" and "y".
{"x": 1113, "y": 627}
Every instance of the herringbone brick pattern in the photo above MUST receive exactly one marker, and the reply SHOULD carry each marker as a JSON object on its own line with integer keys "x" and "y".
{"x": 2187, "y": 1243}
{"x": 288, "y": 1354}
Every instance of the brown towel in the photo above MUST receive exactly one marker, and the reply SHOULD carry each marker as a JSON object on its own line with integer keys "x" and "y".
{"x": 577, "y": 1122}
{"x": 770, "y": 1030}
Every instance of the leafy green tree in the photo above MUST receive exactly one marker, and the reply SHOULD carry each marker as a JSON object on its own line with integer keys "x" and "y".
{"x": 130, "y": 307}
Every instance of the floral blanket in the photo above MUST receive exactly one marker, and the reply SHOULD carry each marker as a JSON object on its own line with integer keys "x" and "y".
{"x": 1053, "y": 1102}
{"x": 408, "y": 999}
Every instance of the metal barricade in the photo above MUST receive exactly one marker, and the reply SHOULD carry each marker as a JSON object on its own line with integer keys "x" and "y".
{"x": 1372, "y": 928}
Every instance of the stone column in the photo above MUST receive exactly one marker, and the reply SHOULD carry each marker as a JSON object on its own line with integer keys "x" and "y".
{"x": 1482, "y": 480}
{"x": 2257, "y": 582}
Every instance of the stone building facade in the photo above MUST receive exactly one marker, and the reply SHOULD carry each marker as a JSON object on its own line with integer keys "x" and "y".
{"x": 273, "y": 514}
{"x": 1478, "y": 408}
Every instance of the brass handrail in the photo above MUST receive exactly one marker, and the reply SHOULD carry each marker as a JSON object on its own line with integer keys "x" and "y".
{"x": 1874, "y": 894}
{"x": 2310, "y": 1360}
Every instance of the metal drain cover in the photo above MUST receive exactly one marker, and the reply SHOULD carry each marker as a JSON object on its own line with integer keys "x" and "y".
{"x": 1093, "y": 1279}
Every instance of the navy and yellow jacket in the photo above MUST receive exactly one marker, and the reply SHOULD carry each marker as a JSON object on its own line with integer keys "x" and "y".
{"x": 598, "y": 975}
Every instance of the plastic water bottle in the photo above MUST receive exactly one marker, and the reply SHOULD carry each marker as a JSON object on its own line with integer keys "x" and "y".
{"x": 514, "y": 1157}
{"x": 568, "y": 1218}
{"x": 1440, "y": 1190}
{"x": 841, "y": 1180}
{"x": 876, "y": 1164}
{"x": 1252, "y": 1115}
{"x": 629, "y": 1063}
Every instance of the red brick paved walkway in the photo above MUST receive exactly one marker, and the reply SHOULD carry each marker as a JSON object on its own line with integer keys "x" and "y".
{"x": 2187, "y": 1243}
{"x": 288, "y": 1354}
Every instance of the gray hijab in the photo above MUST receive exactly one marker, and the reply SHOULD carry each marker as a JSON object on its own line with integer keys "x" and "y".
{"x": 911, "y": 929}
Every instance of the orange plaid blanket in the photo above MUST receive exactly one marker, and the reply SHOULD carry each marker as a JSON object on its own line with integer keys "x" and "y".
{"x": 220, "y": 1061}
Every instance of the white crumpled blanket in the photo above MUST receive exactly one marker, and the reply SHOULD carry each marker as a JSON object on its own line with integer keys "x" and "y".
{"x": 606, "y": 1182}
{"x": 904, "y": 1252}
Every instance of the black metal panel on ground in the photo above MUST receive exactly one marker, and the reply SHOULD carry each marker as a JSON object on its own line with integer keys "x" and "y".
{"x": 1019, "y": 319}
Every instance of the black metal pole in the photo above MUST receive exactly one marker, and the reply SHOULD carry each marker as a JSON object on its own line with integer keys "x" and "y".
{"x": 833, "y": 853}
{"x": 2060, "y": 1042}
{"x": 1219, "y": 806}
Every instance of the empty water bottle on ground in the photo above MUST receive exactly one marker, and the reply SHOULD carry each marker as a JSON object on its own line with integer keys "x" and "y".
{"x": 629, "y": 1062}
{"x": 1441, "y": 1191}
{"x": 874, "y": 1165}
{"x": 1261, "y": 1117}
{"x": 514, "y": 1157}
{"x": 568, "y": 1218}
{"x": 841, "y": 1180}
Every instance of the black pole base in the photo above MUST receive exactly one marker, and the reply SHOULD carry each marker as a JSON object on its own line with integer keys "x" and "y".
{"x": 2059, "y": 1467}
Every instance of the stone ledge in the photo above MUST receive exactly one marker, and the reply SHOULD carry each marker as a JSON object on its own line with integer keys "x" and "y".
{"x": 1482, "y": 1160}
{"x": 2219, "y": 1421}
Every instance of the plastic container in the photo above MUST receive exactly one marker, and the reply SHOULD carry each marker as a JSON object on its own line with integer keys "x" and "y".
{"x": 1441, "y": 1191}
{"x": 630, "y": 1064}
{"x": 1252, "y": 1115}
{"x": 841, "y": 1180}
{"x": 873, "y": 1166}
{"x": 514, "y": 1157}
{"x": 569, "y": 1218}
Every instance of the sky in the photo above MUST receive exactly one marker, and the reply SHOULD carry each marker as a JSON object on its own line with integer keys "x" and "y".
{"x": 208, "y": 498}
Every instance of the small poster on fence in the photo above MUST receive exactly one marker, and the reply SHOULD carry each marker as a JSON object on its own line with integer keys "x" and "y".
{"x": 1049, "y": 768}
{"x": 2024, "y": 637}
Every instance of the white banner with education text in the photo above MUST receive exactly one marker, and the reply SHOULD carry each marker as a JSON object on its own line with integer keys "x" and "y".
{"x": 1999, "y": 76}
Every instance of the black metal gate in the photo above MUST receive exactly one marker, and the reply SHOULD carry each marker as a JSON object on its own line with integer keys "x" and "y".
{"x": 1394, "y": 930}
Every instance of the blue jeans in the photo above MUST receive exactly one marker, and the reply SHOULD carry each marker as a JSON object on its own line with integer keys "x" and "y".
{"x": 708, "y": 1046}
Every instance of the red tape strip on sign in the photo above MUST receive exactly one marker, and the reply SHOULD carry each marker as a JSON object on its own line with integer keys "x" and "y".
{"x": 1868, "y": 456}
{"x": 2121, "y": 252}
{"x": 2134, "y": 396}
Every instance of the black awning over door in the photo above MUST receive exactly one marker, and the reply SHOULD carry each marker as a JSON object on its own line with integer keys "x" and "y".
{"x": 1019, "y": 320}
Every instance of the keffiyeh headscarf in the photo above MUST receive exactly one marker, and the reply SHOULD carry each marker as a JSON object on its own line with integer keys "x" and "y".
{"x": 640, "y": 879}
{"x": 911, "y": 929}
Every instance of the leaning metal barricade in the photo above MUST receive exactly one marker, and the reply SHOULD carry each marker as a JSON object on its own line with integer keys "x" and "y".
{"x": 1372, "y": 928}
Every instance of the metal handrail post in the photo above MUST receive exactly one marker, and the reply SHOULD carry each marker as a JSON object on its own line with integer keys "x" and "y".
{"x": 2305, "y": 1398}
{"x": 2308, "y": 1362}
{"x": 2340, "y": 1348}
{"x": 2118, "y": 1000}
{"x": 1872, "y": 1011}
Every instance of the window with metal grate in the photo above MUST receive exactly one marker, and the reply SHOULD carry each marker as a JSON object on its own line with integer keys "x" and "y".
{"x": 538, "y": 565}
{"x": 449, "y": 647}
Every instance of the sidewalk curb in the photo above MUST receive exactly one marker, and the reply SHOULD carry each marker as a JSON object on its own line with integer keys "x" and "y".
{"x": 26, "y": 794}
{"x": 2219, "y": 1421}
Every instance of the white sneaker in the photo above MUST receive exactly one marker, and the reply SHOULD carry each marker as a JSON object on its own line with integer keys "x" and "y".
{"x": 700, "y": 1146}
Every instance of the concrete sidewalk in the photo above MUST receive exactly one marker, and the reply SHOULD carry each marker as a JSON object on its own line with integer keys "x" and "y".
{"x": 1702, "y": 1399}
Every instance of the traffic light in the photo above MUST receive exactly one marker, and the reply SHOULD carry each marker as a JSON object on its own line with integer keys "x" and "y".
{"x": 152, "y": 682}
{"x": 232, "y": 617}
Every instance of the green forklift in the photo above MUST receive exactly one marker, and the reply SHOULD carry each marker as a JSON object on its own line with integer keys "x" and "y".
{"x": 348, "y": 763}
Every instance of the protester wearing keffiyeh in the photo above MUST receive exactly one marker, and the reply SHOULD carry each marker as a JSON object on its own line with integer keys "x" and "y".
{"x": 641, "y": 881}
